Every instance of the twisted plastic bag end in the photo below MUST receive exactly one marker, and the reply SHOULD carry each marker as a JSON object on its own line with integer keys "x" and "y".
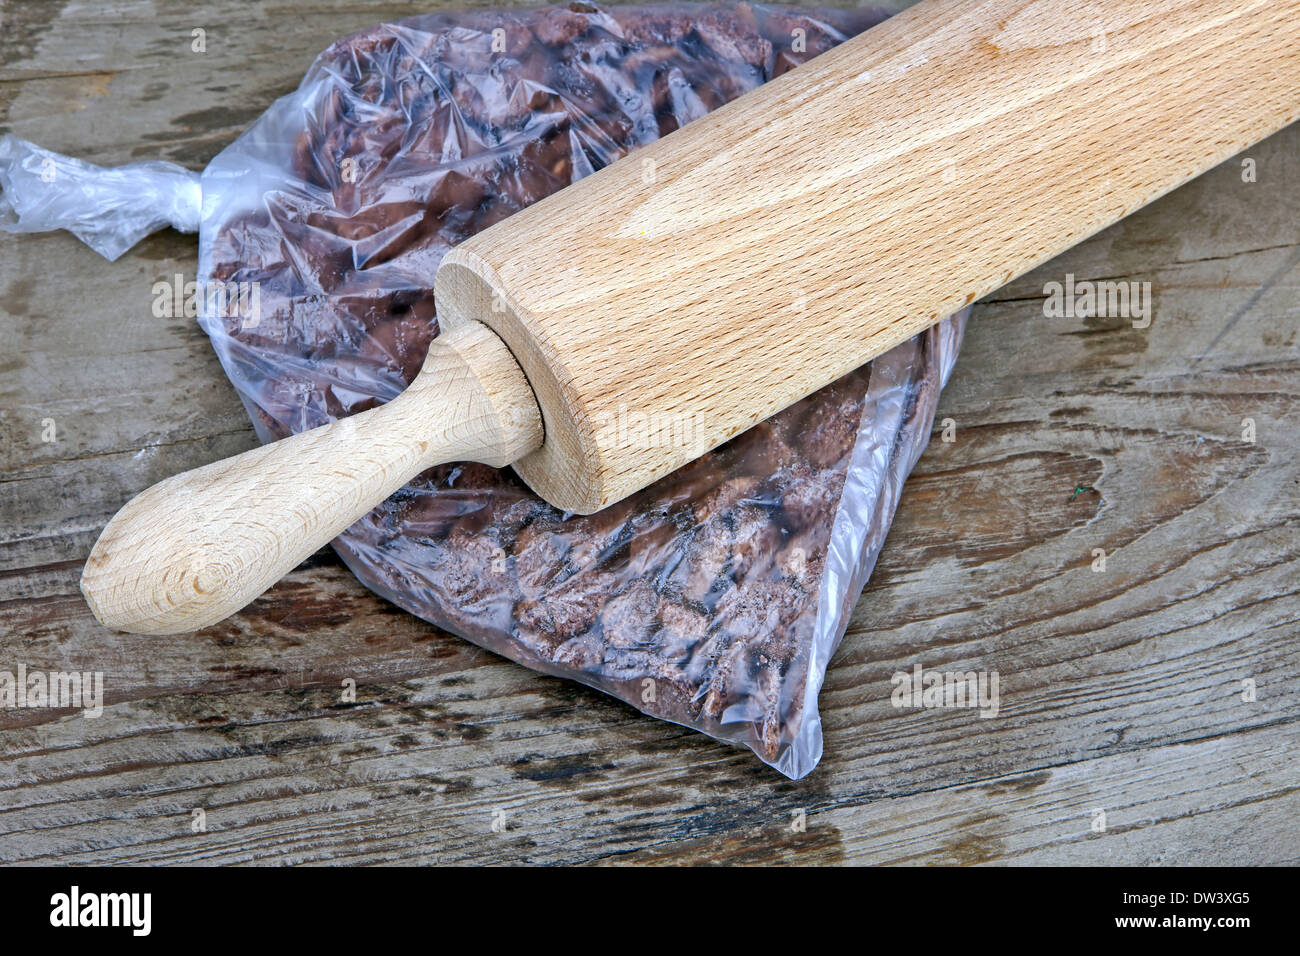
{"x": 109, "y": 209}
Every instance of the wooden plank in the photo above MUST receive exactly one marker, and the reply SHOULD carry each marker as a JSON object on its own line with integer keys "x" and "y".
{"x": 1107, "y": 677}
{"x": 1229, "y": 799}
{"x": 418, "y": 772}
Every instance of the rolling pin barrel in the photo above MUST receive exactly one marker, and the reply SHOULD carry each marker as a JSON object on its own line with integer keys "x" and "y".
{"x": 716, "y": 276}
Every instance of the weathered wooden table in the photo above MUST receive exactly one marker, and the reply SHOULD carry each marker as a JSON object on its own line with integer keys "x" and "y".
{"x": 1128, "y": 730}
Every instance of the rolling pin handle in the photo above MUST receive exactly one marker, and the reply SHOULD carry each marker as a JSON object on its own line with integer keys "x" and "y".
{"x": 199, "y": 546}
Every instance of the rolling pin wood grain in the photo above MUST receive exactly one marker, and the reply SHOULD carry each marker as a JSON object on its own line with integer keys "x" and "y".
{"x": 722, "y": 273}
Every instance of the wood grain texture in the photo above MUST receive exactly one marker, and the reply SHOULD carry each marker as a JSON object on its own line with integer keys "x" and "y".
{"x": 1122, "y": 688}
{"x": 738, "y": 264}
{"x": 198, "y": 546}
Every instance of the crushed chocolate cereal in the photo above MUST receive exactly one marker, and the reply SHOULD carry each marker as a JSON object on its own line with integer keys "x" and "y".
{"x": 713, "y": 598}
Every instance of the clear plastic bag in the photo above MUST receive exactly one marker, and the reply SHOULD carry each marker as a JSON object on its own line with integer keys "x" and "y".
{"x": 716, "y": 597}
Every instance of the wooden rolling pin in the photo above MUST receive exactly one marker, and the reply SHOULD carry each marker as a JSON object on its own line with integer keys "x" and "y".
{"x": 722, "y": 273}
